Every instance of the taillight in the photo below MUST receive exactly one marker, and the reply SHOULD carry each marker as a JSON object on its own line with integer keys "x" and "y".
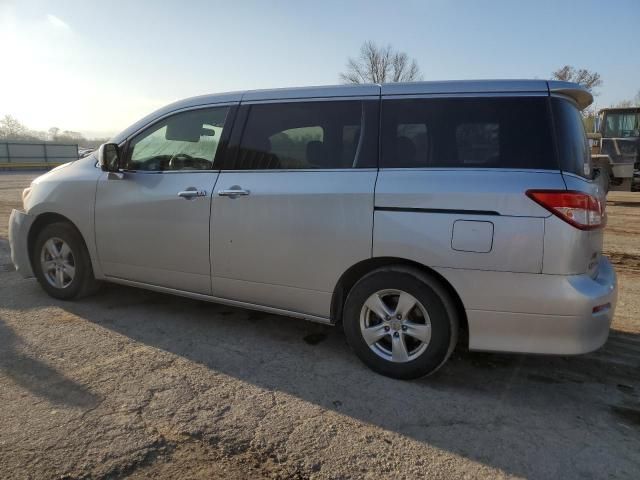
{"x": 579, "y": 209}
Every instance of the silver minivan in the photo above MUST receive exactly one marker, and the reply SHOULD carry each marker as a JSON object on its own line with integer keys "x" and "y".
{"x": 411, "y": 214}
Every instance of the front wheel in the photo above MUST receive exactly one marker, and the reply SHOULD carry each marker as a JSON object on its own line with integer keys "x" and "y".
{"x": 401, "y": 322}
{"x": 61, "y": 262}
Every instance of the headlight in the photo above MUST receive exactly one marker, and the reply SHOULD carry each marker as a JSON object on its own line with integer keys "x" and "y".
{"x": 25, "y": 196}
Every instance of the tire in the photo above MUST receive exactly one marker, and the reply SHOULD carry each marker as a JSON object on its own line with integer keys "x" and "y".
{"x": 72, "y": 260}
{"x": 405, "y": 348}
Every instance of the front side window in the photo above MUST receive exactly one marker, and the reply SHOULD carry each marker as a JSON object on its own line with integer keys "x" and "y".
{"x": 467, "y": 133}
{"x": 308, "y": 135}
{"x": 185, "y": 141}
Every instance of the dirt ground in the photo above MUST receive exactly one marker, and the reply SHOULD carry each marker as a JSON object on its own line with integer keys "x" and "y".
{"x": 136, "y": 384}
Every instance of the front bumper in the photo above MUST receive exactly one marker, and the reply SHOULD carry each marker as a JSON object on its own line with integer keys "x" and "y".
{"x": 539, "y": 313}
{"x": 19, "y": 225}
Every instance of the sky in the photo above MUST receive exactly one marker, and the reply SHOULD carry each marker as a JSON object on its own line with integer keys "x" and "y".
{"x": 97, "y": 66}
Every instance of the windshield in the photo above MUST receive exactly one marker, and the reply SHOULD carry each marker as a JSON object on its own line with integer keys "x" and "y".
{"x": 622, "y": 125}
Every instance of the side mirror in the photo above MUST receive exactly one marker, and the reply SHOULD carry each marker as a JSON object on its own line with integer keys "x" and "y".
{"x": 109, "y": 157}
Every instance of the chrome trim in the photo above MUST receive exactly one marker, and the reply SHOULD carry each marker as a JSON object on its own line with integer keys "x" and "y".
{"x": 233, "y": 192}
{"x": 465, "y": 169}
{"x": 281, "y": 170}
{"x": 158, "y": 172}
{"x": 224, "y": 301}
{"x": 191, "y": 193}
{"x": 372, "y": 98}
{"x": 410, "y": 96}
{"x": 152, "y": 119}
{"x": 464, "y": 86}
{"x": 304, "y": 93}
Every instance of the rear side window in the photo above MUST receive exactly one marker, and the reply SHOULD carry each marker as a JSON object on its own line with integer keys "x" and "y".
{"x": 573, "y": 146}
{"x": 308, "y": 135}
{"x": 467, "y": 133}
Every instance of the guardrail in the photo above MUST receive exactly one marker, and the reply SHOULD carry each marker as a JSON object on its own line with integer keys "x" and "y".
{"x": 24, "y": 155}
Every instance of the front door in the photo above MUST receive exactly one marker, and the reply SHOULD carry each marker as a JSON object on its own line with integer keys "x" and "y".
{"x": 152, "y": 225}
{"x": 294, "y": 208}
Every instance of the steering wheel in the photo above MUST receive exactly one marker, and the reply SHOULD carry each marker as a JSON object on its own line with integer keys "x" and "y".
{"x": 178, "y": 157}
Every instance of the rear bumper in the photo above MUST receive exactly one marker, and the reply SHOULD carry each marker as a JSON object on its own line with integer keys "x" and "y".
{"x": 19, "y": 225}
{"x": 546, "y": 314}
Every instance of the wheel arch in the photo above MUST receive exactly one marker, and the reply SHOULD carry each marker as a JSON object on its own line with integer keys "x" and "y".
{"x": 354, "y": 273}
{"x": 41, "y": 221}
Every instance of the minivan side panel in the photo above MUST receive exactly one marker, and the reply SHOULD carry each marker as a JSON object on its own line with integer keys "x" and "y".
{"x": 69, "y": 190}
{"x": 288, "y": 241}
{"x": 146, "y": 233}
{"x": 536, "y": 313}
{"x": 568, "y": 250}
{"x": 432, "y": 239}
{"x": 489, "y": 190}
{"x": 417, "y": 215}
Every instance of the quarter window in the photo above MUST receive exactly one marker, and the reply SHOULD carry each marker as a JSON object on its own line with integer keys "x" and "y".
{"x": 467, "y": 133}
{"x": 185, "y": 141}
{"x": 573, "y": 146}
{"x": 308, "y": 135}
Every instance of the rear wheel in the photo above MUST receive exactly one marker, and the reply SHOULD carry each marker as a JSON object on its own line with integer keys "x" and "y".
{"x": 61, "y": 262}
{"x": 400, "y": 322}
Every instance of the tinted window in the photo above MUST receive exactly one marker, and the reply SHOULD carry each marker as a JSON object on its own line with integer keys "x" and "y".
{"x": 185, "y": 141}
{"x": 622, "y": 125}
{"x": 573, "y": 146}
{"x": 307, "y": 135}
{"x": 467, "y": 133}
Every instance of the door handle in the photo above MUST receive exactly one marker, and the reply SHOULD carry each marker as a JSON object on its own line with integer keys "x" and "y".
{"x": 233, "y": 192}
{"x": 191, "y": 193}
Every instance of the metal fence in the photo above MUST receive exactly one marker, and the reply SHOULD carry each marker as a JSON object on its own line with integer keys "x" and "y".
{"x": 16, "y": 154}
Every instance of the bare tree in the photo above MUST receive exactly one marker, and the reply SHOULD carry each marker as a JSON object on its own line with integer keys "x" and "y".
{"x": 53, "y": 133}
{"x": 584, "y": 77}
{"x": 625, "y": 104}
{"x": 380, "y": 65}
{"x": 635, "y": 102}
{"x": 12, "y": 129}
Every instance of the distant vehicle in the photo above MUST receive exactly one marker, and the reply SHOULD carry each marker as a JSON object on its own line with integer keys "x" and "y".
{"x": 618, "y": 146}
{"x": 83, "y": 152}
{"x": 406, "y": 212}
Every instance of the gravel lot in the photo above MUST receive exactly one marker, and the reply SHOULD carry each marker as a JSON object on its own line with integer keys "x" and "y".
{"x": 140, "y": 384}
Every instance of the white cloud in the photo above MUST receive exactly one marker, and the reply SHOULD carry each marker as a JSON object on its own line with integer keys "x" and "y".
{"x": 57, "y": 22}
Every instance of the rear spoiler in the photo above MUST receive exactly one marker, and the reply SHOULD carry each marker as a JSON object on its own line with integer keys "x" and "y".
{"x": 577, "y": 92}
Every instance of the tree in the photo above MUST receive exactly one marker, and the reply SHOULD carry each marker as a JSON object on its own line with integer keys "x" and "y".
{"x": 12, "y": 129}
{"x": 635, "y": 102}
{"x": 625, "y": 104}
{"x": 380, "y": 65}
{"x": 584, "y": 77}
{"x": 53, "y": 133}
